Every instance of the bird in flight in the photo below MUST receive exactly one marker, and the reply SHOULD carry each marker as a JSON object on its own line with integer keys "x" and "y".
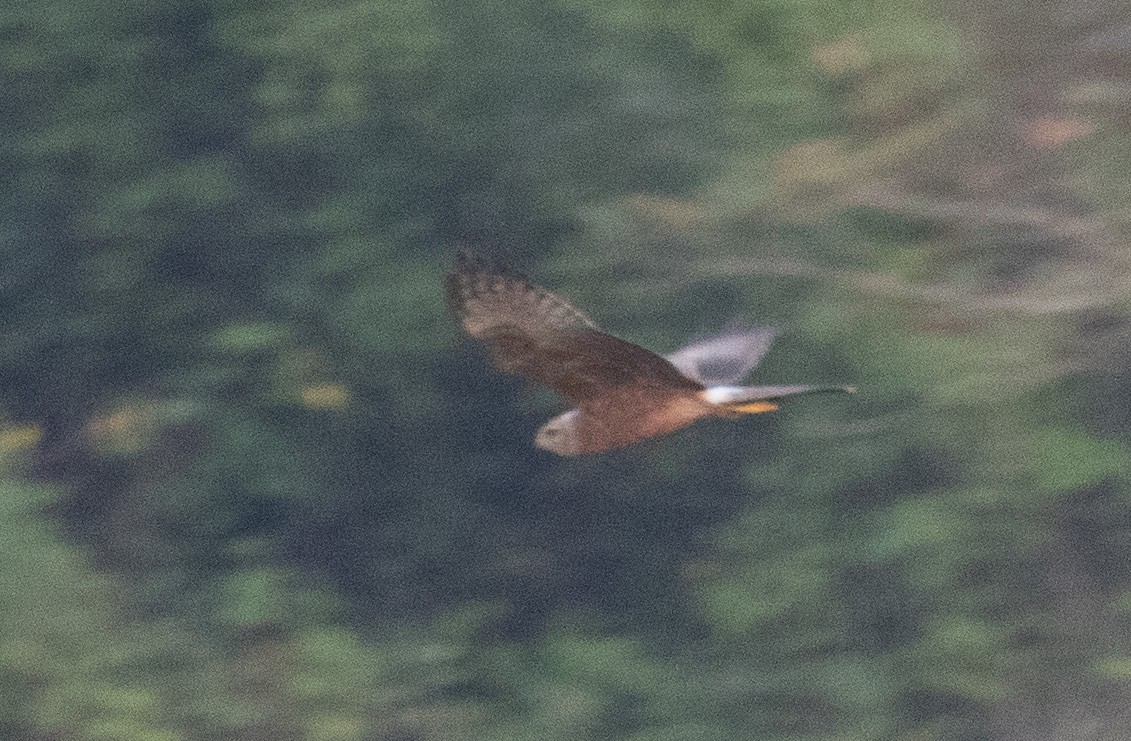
{"x": 621, "y": 392}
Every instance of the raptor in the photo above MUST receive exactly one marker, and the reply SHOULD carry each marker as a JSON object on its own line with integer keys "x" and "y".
{"x": 622, "y": 393}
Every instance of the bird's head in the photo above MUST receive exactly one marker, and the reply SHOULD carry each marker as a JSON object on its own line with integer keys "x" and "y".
{"x": 559, "y": 435}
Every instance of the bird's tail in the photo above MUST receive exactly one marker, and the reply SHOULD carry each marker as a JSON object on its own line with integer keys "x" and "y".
{"x": 758, "y": 399}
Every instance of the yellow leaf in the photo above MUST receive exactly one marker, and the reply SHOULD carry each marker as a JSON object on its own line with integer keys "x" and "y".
{"x": 325, "y": 396}
{"x": 19, "y": 437}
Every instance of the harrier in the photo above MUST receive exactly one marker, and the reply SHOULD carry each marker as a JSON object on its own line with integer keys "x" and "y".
{"x": 621, "y": 393}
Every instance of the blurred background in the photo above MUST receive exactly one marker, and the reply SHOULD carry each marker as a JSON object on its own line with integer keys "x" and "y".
{"x": 254, "y": 485}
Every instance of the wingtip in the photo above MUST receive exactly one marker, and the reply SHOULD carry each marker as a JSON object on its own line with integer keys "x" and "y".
{"x": 465, "y": 260}
{"x": 472, "y": 262}
{"x": 459, "y": 284}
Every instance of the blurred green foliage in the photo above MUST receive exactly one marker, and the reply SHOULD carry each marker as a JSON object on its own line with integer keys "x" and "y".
{"x": 253, "y": 486}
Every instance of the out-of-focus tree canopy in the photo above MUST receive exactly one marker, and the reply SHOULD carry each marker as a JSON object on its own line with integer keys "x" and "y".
{"x": 253, "y": 484}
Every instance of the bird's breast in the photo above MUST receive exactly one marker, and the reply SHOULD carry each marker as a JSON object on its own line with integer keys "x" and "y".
{"x": 616, "y": 422}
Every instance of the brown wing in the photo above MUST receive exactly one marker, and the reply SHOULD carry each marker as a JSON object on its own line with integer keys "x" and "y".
{"x": 534, "y": 333}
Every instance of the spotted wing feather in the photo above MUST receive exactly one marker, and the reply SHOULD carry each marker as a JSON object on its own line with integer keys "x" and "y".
{"x": 535, "y": 333}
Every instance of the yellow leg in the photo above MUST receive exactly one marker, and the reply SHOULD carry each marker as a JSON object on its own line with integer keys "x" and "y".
{"x": 753, "y": 407}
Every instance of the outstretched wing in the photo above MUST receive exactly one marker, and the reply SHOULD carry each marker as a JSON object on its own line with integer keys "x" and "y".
{"x": 725, "y": 358}
{"x": 535, "y": 333}
{"x": 486, "y": 297}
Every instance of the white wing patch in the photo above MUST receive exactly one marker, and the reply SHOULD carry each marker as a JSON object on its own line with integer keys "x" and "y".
{"x": 723, "y": 395}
